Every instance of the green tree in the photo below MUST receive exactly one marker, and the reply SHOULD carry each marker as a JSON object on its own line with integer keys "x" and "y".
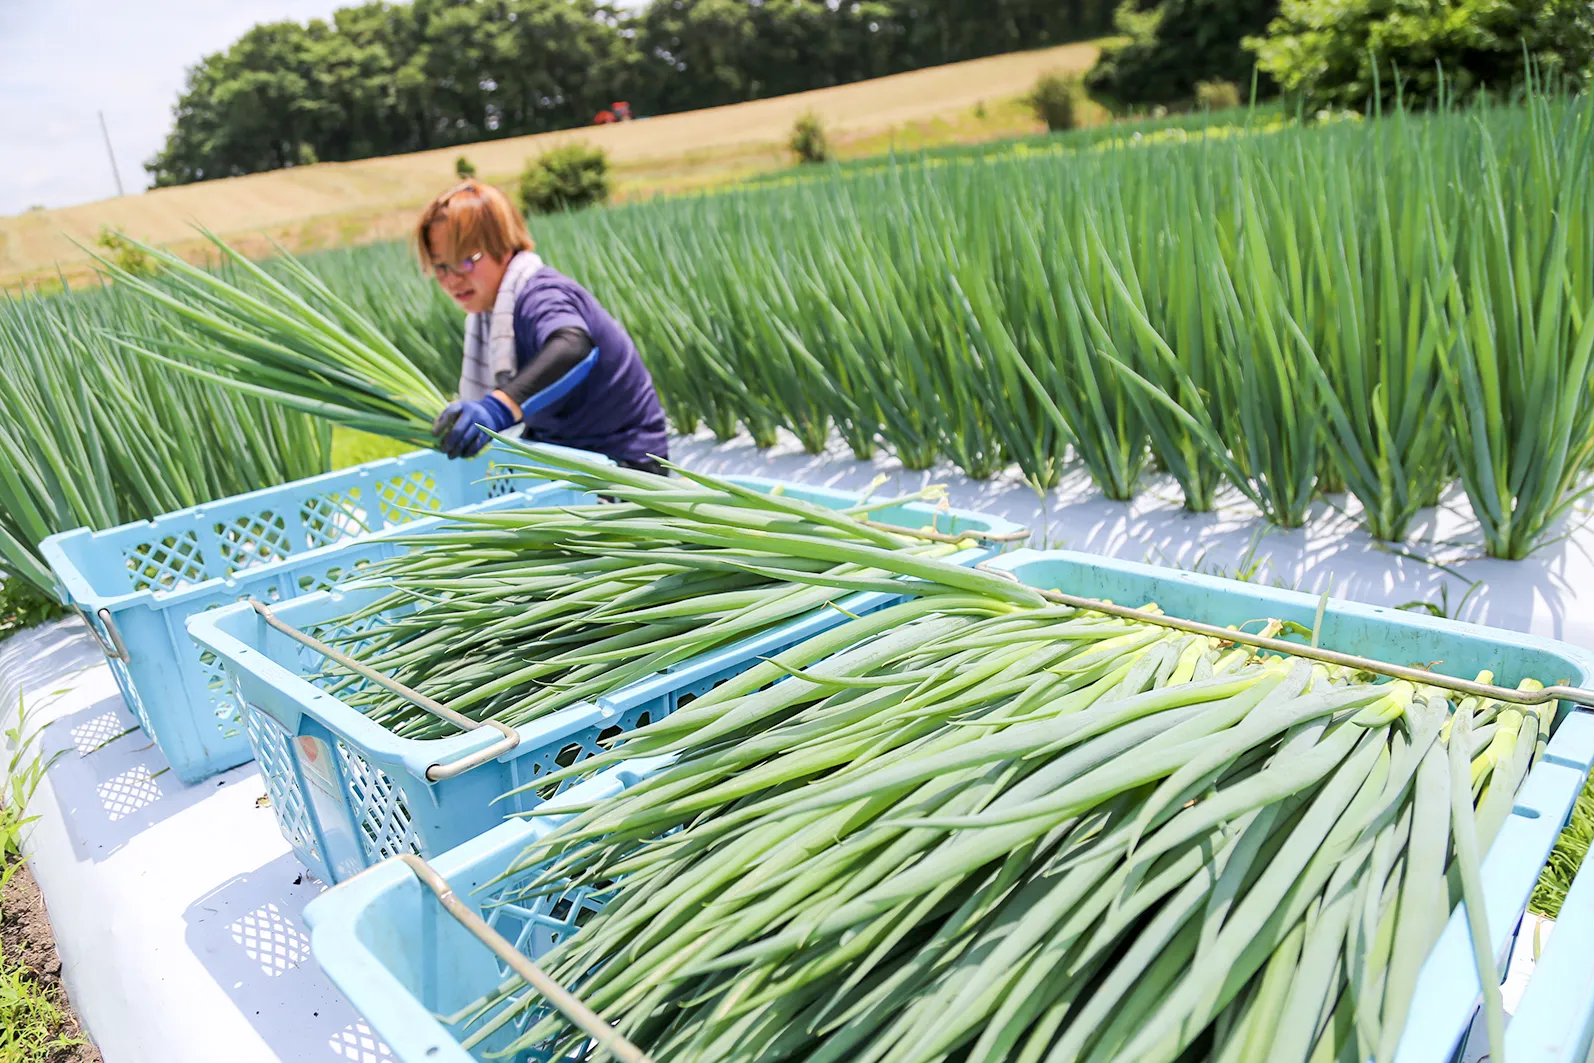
{"x": 380, "y": 78}
{"x": 244, "y": 110}
{"x": 1466, "y": 45}
{"x": 696, "y": 54}
{"x": 1174, "y": 44}
{"x": 947, "y": 31}
{"x": 385, "y": 78}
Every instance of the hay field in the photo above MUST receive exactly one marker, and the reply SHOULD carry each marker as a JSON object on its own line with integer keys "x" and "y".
{"x": 336, "y": 203}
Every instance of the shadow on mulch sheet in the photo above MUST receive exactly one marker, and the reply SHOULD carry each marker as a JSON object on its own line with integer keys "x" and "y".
{"x": 250, "y": 934}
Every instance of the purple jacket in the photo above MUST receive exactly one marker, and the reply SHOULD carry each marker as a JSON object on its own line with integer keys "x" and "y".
{"x": 615, "y": 410}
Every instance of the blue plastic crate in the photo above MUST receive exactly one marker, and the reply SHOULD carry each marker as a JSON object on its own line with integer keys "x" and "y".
{"x": 348, "y": 793}
{"x": 136, "y": 585}
{"x": 407, "y": 965}
{"x": 1554, "y": 1020}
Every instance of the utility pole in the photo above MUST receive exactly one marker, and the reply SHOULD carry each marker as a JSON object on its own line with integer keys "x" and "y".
{"x": 114, "y": 171}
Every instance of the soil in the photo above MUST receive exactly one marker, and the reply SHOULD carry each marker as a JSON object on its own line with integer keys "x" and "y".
{"x": 26, "y": 937}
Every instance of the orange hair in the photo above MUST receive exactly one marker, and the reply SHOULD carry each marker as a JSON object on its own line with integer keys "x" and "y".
{"x": 477, "y": 217}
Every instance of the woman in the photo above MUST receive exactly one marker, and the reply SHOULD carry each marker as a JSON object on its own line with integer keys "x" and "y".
{"x": 539, "y": 350}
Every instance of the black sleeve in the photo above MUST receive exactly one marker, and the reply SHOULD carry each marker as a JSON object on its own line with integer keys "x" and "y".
{"x": 563, "y": 352}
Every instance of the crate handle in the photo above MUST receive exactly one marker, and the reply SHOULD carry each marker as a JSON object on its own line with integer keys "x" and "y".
{"x": 115, "y": 649}
{"x": 436, "y": 772}
{"x": 591, "y": 1023}
{"x": 1576, "y": 695}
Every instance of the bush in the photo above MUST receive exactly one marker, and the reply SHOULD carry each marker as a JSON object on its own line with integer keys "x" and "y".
{"x": 1055, "y": 101}
{"x": 1345, "y": 52}
{"x": 808, "y": 140}
{"x": 1175, "y": 44}
{"x": 23, "y": 605}
{"x": 125, "y": 254}
{"x": 464, "y": 169}
{"x": 1217, "y": 95}
{"x": 567, "y": 178}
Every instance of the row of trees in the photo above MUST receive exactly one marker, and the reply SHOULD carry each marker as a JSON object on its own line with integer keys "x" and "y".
{"x": 1342, "y": 52}
{"x": 382, "y": 78}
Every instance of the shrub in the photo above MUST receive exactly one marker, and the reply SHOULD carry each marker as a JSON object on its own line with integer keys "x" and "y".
{"x": 567, "y": 178}
{"x": 808, "y": 139}
{"x": 1055, "y": 101}
{"x": 464, "y": 169}
{"x": 1217, "y": 95}
{"x": 23, "y": 605}
{"x": 124, "y": 253}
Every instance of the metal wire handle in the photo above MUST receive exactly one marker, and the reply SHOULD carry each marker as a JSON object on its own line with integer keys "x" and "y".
{"x": 1576, "y": 695}
{"x": 1019, "y": 536}
{"x": 592, "y": 1024}
{"x": 436, "y": 772}
{"x": 115, "y": 649}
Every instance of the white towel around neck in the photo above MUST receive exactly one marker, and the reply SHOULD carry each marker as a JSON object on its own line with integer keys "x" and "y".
{"x": 490, "y": 338}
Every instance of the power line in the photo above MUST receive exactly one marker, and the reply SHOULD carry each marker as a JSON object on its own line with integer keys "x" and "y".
{"x": 114, "y": 171}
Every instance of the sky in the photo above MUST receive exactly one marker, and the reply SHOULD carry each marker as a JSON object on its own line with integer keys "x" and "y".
{"x": 62, "y": 61}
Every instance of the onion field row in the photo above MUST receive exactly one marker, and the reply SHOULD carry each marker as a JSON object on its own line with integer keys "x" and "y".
{"x": 1380, "y": 307}
{"x": 92, "y": 435}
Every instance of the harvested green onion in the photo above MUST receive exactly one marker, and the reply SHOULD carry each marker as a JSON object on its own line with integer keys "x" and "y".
{"x": 1005, "y": 832}
{"x": 514, "y": 614}
{"x": 284, "y": 335}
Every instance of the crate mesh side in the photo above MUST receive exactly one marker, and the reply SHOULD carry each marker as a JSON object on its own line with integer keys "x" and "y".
{"x": 401, "y": 496}
{"x": 252, "y": 539}
{"x": 130, "y": 695}
{"x": 333, "y": 516}
{"x": 499, "y": 485}
{"x": 225, "y": 705}
{"x": 166, "y": 563}
{"x": 534, "y": 927}
{"x": 275, "y": 759}
{"x": 386, "y": 828}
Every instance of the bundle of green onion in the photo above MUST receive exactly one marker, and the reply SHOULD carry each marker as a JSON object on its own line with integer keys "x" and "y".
{"x": 967, "y": 829}
{"x": 511, "y": 615}
{"x": 93, "y": 437}
{"x": 284, "y": 335}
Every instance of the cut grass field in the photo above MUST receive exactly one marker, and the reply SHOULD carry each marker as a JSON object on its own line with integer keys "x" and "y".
{"x": 335, "y": 204}
{"x": 350, "y": 447}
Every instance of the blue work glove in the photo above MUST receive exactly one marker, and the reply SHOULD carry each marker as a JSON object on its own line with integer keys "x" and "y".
{"x": 463, "y": 423}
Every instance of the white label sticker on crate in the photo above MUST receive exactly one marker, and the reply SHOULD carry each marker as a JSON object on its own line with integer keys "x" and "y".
{"x": 315, "y": 759}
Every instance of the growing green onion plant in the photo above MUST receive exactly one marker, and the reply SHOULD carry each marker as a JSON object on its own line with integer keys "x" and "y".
{"x": 1383, "y": 307}
{"x": 93, "y": 437}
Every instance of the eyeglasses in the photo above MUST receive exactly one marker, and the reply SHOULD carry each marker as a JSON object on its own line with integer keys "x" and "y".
{"x": 442, "y": 269}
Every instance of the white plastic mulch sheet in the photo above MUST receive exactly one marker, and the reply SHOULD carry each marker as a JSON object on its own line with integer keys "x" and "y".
{"x": 176, "y": 909}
